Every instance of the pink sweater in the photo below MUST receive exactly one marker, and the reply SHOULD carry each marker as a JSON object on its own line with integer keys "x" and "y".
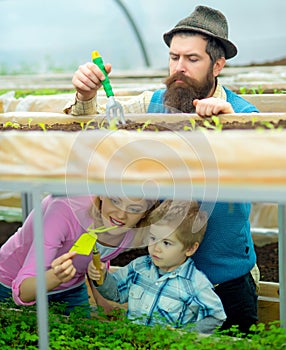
{"x": 64, "y": 220}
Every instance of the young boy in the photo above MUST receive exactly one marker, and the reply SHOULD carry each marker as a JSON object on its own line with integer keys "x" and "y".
{"x": 165, "y": 287}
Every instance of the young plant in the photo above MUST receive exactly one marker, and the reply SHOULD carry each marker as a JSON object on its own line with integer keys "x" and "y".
{"x": 19, "y": 330}
{"x": 260, "y": 91}
{"x": 217, "y": 124}
{"x": 267, "y": 124}
{"x": 42, "y": 126}
{"x": 30, "y": 122}
{"x": 192, "y": 127}
{"x": 12, "y": 125}
{"x": 145, "y": 125}
{"x": 253, "y": 121}
{"x": 113, "y": 124}
{"x": 86, "y": 126}
{"x": 243, "y": 90}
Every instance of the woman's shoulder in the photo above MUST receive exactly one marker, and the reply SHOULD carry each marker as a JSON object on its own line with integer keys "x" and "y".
{"x": 73, "y": 202}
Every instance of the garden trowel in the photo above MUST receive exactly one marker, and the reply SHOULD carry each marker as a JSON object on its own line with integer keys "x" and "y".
{"x": 112, "y": 105}
{"x": 87, "y": 242}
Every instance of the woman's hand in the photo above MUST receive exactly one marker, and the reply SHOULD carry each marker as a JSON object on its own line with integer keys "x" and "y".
{"x": 63, "y": 267}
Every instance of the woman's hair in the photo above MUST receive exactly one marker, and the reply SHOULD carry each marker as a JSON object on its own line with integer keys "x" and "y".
{"x": 184, "y": 218}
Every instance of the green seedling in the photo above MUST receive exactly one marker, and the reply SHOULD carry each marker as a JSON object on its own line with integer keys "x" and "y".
{"x": 217, "y": 124}
{"x": 243, "y": 90}
{"x": 144, "y": 126}
{"x": 113, "y": 124}
{"x": 254, "y": 120}
{"x": 87, "y": 125}
{"x": 30, "y": 122}
{"x": 256, "y": 91}
{"x": 260, "y": 91}
{"x": 267, "y": 124}
{"x": 192, "y": 127}
{"x": 277, "y": 91}
{"x": 13, "y": 125}
{"x": 39, "y": 92}
{"x": 101, "y": 124}
{"x": 42, "y": 126}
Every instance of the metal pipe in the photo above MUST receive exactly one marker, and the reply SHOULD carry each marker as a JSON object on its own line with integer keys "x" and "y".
{"x": 136, "y": 31}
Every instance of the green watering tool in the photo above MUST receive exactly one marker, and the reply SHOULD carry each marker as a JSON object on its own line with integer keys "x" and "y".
{"x": 112, "y": 105}
{"x": 87, "y": 242}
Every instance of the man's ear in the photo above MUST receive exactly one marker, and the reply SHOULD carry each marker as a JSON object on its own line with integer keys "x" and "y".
{"x": 218, "y": 66}
{"x": 191, "y": 251}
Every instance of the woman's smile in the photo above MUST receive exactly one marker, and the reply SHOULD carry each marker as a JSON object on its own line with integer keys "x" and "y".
{"x": 116, "y": 222}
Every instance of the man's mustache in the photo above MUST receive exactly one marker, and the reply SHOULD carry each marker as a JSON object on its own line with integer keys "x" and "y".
{"x": 179, "y": 76}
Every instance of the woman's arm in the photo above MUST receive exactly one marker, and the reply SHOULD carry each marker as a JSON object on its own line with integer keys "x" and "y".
{"x": 62, "y": 270}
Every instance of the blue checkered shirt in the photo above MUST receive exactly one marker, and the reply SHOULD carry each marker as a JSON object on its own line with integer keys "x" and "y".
{"x": 177, "y": 298}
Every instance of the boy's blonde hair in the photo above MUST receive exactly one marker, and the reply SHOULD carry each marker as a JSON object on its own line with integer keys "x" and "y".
{"x": 184, "y": 218}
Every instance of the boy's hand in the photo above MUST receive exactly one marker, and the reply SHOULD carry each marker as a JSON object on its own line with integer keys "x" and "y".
{"x": 95, "y": 274}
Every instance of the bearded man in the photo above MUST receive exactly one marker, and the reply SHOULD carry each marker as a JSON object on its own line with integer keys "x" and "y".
{"x": 198, "y": 49}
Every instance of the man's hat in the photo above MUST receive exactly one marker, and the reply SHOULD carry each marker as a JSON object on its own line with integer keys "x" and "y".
{"x": 207, "y": 21}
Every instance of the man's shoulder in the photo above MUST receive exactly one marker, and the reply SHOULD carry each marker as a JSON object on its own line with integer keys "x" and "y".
{"x": 156, "y": 103}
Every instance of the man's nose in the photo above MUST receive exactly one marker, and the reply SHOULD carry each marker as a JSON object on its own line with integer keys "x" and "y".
{"x": 180, "y": 67}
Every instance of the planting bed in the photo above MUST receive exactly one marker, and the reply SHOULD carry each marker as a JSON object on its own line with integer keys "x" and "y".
{"x": 146, "y": 126}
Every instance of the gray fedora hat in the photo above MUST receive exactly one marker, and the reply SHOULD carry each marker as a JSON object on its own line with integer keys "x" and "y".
{"x": 207, "y": 21}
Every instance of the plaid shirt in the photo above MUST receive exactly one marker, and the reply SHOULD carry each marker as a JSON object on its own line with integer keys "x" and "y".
{"x": 136, "y": 104}
{"x": 177, "y": 298}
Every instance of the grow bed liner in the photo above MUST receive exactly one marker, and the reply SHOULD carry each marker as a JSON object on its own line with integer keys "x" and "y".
{"x": 31, "y": 121}
{"x": 243, "y": 157}
{"x": 57, "y": 103}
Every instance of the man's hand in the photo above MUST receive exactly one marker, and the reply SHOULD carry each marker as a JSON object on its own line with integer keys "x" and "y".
{"x": 212, "y": 106}
{"x": 87, "y": 80}
{"x": 63, "y": 267}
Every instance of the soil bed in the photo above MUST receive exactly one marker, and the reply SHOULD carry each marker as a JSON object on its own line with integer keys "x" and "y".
{"x": 162, "y": 126}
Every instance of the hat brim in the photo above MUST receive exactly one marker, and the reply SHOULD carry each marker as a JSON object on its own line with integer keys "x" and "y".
{"x": 229, "y": 47}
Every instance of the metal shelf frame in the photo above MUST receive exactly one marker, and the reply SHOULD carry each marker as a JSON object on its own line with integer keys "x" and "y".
{"x": 36, "y": 188}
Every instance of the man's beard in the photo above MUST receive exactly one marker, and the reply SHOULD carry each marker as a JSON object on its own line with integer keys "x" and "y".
{"x": 179, "y": 97}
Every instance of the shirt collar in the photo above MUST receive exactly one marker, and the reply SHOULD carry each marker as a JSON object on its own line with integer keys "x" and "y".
{"x": 219, "y": 91}
{"x": 182, "y": 270}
